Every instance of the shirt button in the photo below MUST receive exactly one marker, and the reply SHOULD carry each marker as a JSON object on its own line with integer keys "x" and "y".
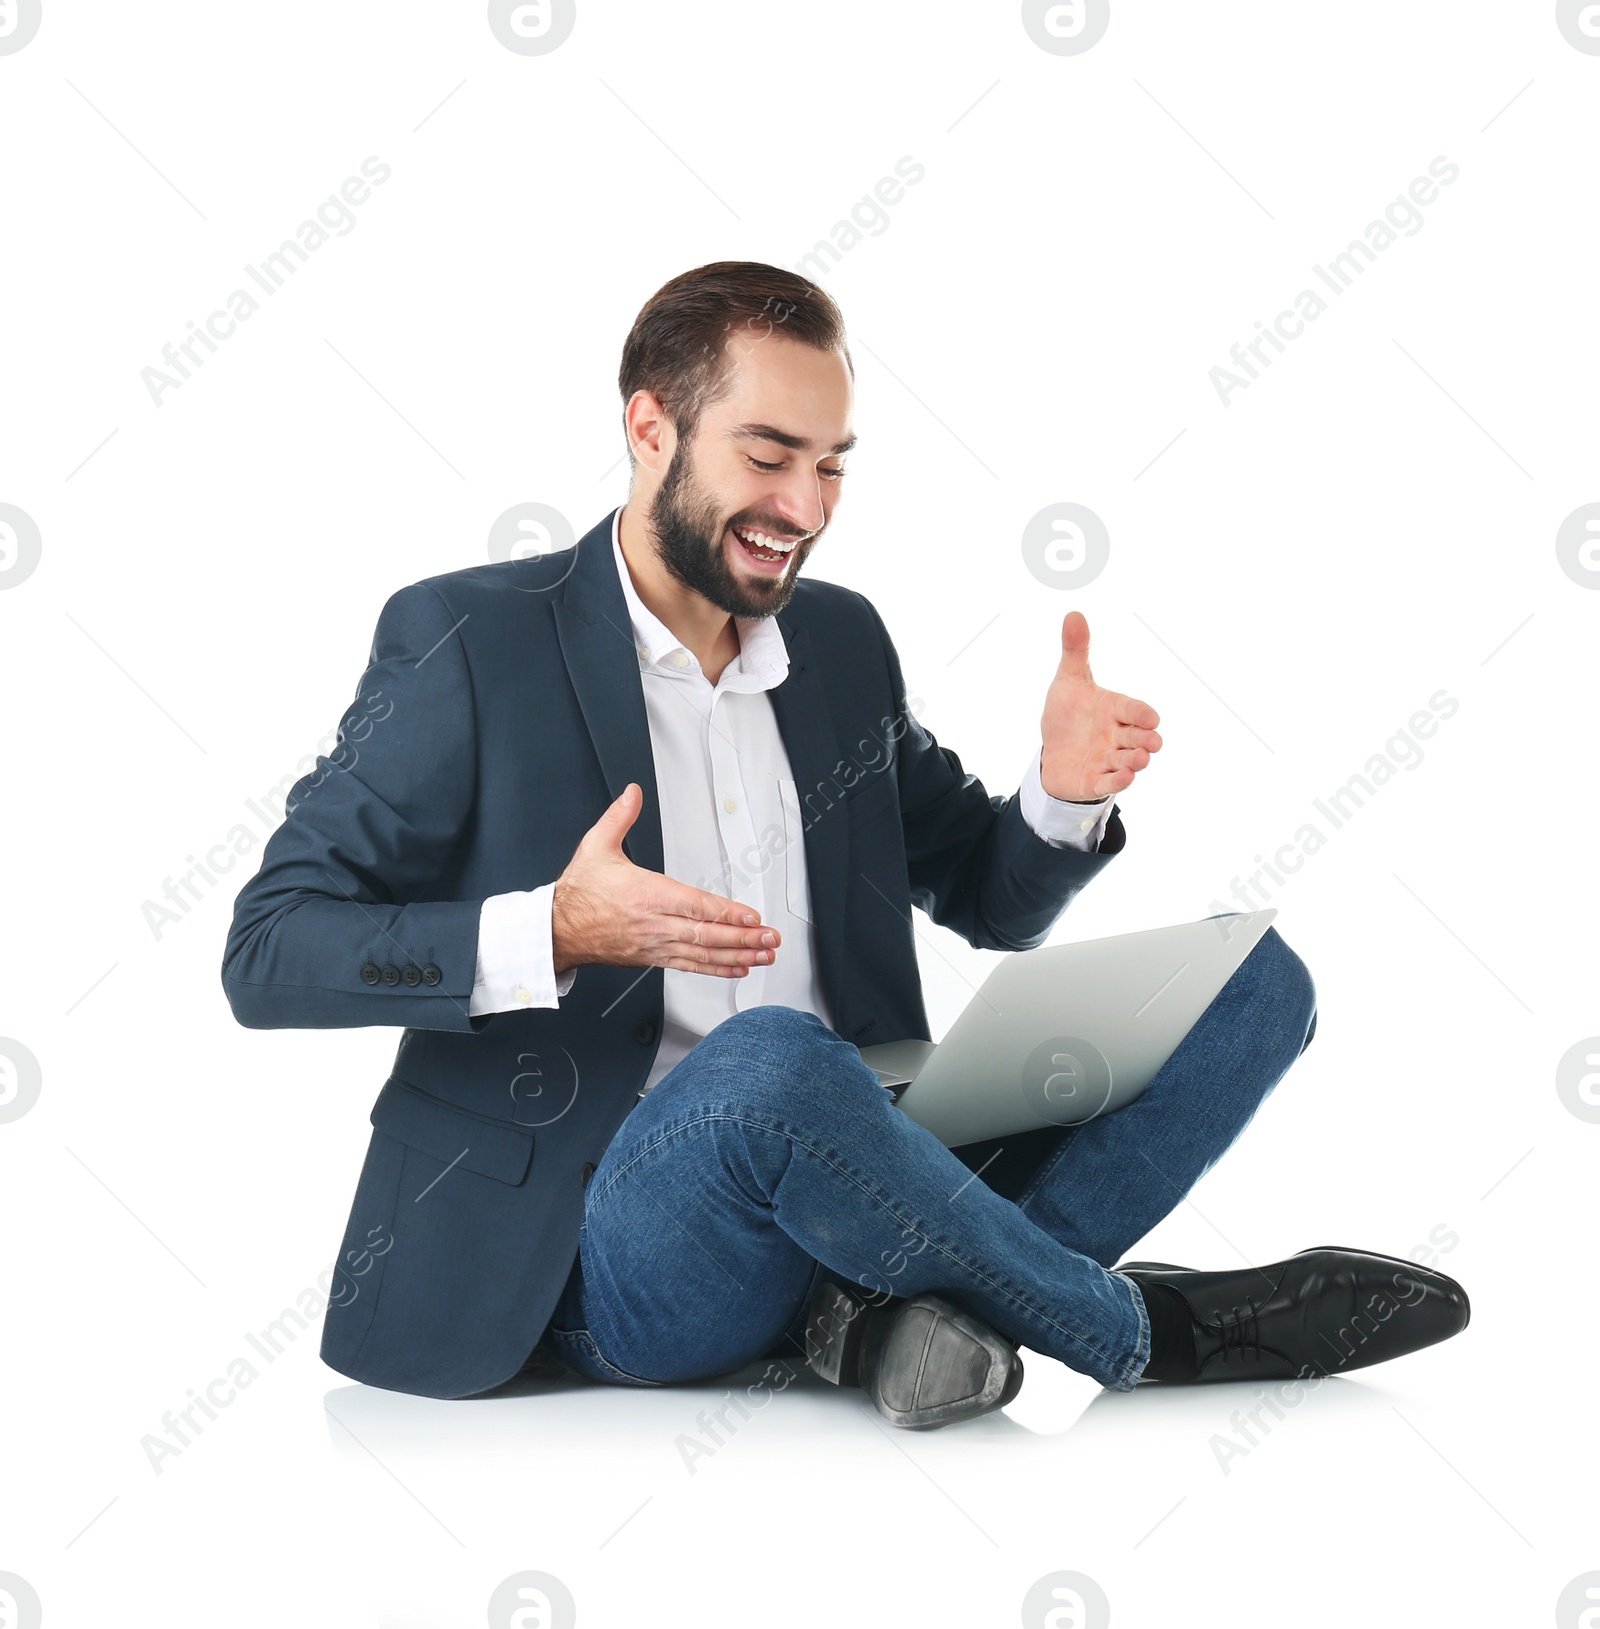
{"x": 523, "y": 994}
{"x": 730, "y": 804}
{"x": 644, "y": 651}
{"x": 1084, "y": 825}
{"x": 679, "y": 659}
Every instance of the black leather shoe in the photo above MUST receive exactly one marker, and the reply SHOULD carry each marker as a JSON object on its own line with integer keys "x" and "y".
{"x": 924, "y": 1362}
{"x": 1324, "y": 1311}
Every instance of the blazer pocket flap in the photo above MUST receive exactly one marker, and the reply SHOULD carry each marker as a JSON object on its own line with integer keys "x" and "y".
{"x": 416, "y": 1118}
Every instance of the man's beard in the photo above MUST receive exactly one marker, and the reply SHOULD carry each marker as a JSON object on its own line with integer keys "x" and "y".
{"x": 689, "y": 528}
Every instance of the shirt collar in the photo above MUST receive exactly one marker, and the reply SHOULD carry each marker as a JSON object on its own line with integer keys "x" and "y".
{"x": 763, "y": 659}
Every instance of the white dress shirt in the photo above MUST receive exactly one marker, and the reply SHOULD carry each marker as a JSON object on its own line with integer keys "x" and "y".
{"x": 730, "y": 824}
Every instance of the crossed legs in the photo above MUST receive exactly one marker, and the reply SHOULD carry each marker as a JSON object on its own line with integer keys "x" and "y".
{"x": 770, "y": 1156}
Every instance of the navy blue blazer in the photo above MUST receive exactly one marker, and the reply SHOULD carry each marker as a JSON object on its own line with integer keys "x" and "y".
{"x": 501, "y": 711}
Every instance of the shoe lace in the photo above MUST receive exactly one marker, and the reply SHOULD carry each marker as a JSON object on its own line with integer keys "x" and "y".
{"x": 1240, "y": 1331}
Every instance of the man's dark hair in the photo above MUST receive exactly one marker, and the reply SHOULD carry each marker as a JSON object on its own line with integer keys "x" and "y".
{"x": 682, "y": 347}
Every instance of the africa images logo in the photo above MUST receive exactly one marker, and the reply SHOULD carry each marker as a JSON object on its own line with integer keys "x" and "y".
{"x": 532, "y": 28}
{"x": 19, "y": 22}
{"x": 20, "y": 545}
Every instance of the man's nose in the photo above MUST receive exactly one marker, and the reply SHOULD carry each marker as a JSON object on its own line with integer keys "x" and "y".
{"x": 800, "y": 508}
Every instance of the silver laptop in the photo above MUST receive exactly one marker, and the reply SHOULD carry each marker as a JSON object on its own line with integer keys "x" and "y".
{"x": 1065, "y": 1033}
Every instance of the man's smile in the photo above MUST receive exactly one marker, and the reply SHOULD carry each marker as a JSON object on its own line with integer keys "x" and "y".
{"x": 767, "y": 554}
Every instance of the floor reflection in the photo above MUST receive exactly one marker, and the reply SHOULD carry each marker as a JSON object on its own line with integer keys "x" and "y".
{"x": 798, "y": 1418}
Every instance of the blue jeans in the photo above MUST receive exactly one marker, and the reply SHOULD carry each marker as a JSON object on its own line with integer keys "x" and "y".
{"x": 770, "y": 1157}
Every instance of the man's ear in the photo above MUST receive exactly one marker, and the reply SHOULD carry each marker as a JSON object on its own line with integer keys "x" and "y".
{"x": 650, "y": 432}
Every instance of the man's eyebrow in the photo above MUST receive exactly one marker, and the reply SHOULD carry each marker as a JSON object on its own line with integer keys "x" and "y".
{"x": 769, "y": 432}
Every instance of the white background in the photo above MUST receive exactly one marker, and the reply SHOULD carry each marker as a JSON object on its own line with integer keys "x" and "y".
{"x": 1370, "y": 522}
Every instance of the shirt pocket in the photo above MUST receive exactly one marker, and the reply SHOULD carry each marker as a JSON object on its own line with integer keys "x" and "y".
{"x": 797, "y": 885}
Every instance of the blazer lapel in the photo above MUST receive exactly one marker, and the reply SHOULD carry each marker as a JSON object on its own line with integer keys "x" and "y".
{"x": 804, "y": 722}
{"x": 597, "y": 644}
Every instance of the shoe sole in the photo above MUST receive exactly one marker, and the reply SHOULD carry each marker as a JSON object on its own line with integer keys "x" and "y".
{"x": 924, "y": 1362}
{"x": 834, "y": 1326}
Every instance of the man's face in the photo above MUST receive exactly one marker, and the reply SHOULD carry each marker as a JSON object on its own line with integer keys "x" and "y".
{"x": 766, "y": 458}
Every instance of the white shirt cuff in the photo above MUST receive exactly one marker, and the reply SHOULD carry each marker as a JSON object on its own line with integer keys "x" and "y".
{"x": 516, "y": 954}
{"x": 1058, "y": 822}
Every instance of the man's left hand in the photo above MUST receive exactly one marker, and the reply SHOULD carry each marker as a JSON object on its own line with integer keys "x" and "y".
{"x": 1095, "y": 740}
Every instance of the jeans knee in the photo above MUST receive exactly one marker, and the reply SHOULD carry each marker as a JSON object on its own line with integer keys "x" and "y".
{"x": 783, "y": 1057}
{"x": 775, "y": 1016}
{"x": 1283, "y": 980}
{"x": 774, "y": 1031}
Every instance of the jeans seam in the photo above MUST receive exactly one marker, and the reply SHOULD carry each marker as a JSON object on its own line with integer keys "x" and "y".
{"x": 1046, "y": 1166}
{"x": 1005, "y": 1291}
{"x": 1141, "y": 1356}
{"x": 583, "y": 1337}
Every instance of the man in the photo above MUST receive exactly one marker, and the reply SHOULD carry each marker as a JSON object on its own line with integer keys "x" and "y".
{"x": 626, "y": 838}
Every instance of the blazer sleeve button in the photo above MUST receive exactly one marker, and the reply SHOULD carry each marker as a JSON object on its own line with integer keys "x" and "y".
{"x": 391, "y": 974}
{"x": 371, "y": 973}
{"x": 411, "y": 974}
{"x": 644, "y": 1032}
{"x": 588, "y": 1171}
{"x": 431, "y": 974}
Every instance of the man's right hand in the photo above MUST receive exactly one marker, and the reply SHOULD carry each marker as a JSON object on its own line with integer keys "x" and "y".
{"x": 607, "y": 909}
